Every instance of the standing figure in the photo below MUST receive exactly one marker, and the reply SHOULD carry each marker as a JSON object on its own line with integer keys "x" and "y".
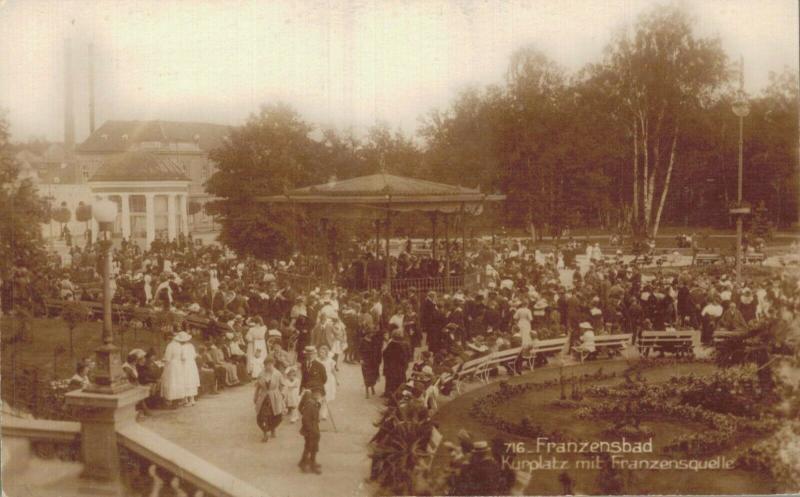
{"x": 309, "y": 410}
{"x": 256, "y": 346}
{"x": 396, "y": 357}
{"x": 291, "y": 386}
{"x": 268, "y": 399}
{"x": 331, "y": 382}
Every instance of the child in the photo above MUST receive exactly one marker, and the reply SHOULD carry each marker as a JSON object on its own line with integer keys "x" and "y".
{"x": 258, "y": 363}
{"x": 292, "y": 393}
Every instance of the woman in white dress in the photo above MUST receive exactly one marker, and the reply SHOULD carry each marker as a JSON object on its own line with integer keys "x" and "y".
{"x": 330, "y": 384}
{"x": 180, "y": 378}
{"x": 256, "y": 347}
{"x": 523, "y": 317}
{"x": 191, "y": 376}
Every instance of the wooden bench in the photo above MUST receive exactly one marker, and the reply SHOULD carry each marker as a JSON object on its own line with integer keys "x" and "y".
{"x": 506, "y": 358}
{"x": 677, "y": 342}
{"x": 543, "y": 348}
{"x": 609, "y": 344}
{"x": 723, "y": 335}
{"x": 707, "y": 259}
{"x": 754, "y": 258}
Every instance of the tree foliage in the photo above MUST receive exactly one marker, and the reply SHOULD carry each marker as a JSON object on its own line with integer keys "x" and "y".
{"x": 22, "y": 211}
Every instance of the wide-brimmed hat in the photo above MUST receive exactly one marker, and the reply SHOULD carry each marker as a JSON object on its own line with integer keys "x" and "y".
{"x": 309, "y": 349}
{"x": 182, "y": 337}
{"x": 274, "y": 333}
{"x": 540, "y": 304}
{"x": 480, "y": 446}
{"x": 138, "y": 353}
{"x": 585, "y": 326}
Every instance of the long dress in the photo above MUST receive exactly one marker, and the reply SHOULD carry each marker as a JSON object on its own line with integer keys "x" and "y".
{"x": 256, "y": 341}
{"x": 191, "y": 376}
{"x": 523, "y": 317}
{"x": 370, "y": 352}
{"x": 330, "y": 383}
{"x": 172, "y": 383}
{"x": 268, "y": 400}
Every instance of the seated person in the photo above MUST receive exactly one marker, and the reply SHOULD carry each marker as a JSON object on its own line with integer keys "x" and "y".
{"x": 129, "y": 367}
{"x": 226, "y": 371}
{"x": 732, "y": 319}
{"x": 80, "y": 379}
{"x": 208, "y": 378}
{"x": 586, "y": 347}
{"x": 150, "y": 374}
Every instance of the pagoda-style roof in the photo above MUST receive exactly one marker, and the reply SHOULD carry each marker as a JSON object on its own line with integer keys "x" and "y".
{"x": 140, "y": 166}
{"x": 388, "y": 192}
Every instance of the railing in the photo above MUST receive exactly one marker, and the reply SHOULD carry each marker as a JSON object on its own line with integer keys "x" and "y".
{"x": 299, "y": 282}
{"x": 153, "y": 466}
{"x": 34, "y": 391}
{"x": 48, "y": 439}
{"x": 469, "y": 281}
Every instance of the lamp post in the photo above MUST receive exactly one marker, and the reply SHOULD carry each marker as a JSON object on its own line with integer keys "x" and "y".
{"x": 740, "y": 107}
{"x": 108, "y": 376}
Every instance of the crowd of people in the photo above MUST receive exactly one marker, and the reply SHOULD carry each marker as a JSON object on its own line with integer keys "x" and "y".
{"x": 258, "y": 327}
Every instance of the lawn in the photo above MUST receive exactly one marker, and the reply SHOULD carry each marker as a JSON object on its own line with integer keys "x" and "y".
{"x": 538, "y": 407}
{"x": 47, "y": 344}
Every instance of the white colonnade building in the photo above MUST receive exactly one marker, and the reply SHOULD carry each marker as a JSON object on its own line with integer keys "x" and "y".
{"x": 151, "y": 192}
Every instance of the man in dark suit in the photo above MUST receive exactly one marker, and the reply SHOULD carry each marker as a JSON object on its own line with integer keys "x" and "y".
{"x": 312, "y": 371}
{"x": 428, "y": 321}
{"x": 309, "y": 410}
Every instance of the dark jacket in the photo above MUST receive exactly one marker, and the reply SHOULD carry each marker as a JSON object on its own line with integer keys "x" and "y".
{"x": 309, "y": 410}
{"x": 313, "y": 376}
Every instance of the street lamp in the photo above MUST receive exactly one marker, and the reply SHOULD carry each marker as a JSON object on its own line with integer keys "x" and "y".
{"x": 740, "y": 107}
{"x": 108, "y": 376}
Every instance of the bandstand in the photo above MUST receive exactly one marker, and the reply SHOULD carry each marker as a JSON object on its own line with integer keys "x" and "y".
{"x": 380, "y": 197}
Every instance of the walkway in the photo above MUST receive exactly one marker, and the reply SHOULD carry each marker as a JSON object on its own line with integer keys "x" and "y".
{"x": 222, "y": 430}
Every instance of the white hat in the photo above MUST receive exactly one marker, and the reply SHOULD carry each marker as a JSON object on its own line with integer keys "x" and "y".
{"x": 182, "y": 337}
{"x": 585, "y": 326}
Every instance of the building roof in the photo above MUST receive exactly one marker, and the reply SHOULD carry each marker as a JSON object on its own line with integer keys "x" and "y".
{"x": 388, "y": 192}
{"x": 140, "y": 166}
{"x": 119, "y": 136}
{"x": 380, "y": 185}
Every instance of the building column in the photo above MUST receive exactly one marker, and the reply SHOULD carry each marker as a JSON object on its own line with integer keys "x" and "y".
{"x": 184, "y": 210}
{"x": 171, "y": 231}
{"x": 151, "y": 219}
{"x": 126, "y": 216}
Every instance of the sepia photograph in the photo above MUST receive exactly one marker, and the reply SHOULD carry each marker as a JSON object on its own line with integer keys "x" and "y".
{"x": 365, "y": 248}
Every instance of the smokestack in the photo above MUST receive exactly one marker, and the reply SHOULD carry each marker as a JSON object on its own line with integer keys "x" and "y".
{"x": 91, "y": 88}
{"x": 69, "y": 111}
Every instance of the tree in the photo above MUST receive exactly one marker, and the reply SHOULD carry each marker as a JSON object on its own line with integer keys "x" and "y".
{"x": 22, "y": 211}
{"x": 62, "y": 215}
{"x": 83, "y": 213}
{"x": 270, "y": 154}
{"x": 659, "y": 69}
{"x": 73, "y": 314}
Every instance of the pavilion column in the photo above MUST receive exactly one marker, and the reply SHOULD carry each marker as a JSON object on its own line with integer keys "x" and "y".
{"x": 150, "y": 220}
{"x": 183, "y": 210}
{"x": 388, "y": 247}
{"x": 171, "y": 228}
{"x": 463, "y": 236}
{"x": 377, "y": 239}
{"x": 434, "y": 217}
{"x": 447, "y": 253}
{"x": 126, "y": 215}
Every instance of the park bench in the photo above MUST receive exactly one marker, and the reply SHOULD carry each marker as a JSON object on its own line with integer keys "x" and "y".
{"x": 543, "y": 348}
{"x": 611, "y": 345}
{"x": 723, "y": 335}
{"x": 754, "y": 258}
{"x": 677, "y": 342}
{"x": 52, "y": 307}
{"x": 506, "y": 358}
{"x": 707, "y": 259}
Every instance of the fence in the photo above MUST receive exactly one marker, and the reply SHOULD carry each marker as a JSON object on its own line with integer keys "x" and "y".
{"x": 469, "y": 282}
{"x": 35, "y": 391}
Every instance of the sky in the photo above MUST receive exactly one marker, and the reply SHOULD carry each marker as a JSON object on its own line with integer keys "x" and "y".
{"x": 343, "y": 64}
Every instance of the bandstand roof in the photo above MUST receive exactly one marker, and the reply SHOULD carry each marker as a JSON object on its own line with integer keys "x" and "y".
{"x": 140, "y": 166}
{"x": 384, "y": 192}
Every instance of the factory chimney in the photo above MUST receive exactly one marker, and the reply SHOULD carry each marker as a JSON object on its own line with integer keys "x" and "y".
{"x": 69, "y": 111}
{"x": 91, "y": 88}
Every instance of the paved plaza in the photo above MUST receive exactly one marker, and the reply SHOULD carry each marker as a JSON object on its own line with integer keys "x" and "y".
{"x": 222, "y": 430}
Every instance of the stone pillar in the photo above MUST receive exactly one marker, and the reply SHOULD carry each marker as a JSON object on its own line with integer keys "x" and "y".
{"x": 184, "y": 210}
{"x": 150, "y": 219}
{"x": 101, "y": 415}
{"x": 94, "y": 227}
{"x": 171, "y": 231}
{"x": 126, "y": 216}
